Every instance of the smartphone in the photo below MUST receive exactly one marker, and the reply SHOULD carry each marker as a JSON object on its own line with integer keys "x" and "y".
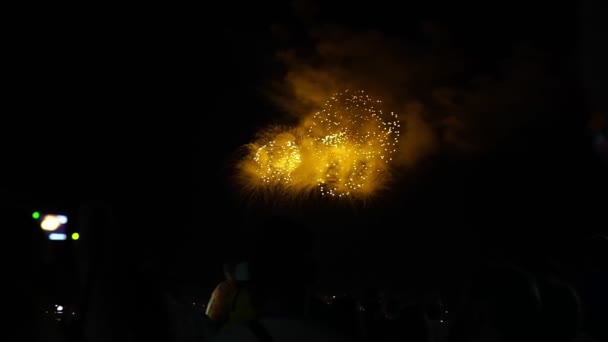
{"x": 54, "y": 225}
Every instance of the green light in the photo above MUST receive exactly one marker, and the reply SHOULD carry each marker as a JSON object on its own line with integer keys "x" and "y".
{"x": 75, "y": 236}
{"x": 35, "y": 215}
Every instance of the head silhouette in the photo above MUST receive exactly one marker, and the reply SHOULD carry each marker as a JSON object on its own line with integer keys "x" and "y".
{"x": 507, "y": 302}
{"x": 561, "y": 310}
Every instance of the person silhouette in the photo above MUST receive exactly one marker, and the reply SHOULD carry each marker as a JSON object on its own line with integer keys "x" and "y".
{"x": 282, "y": 272}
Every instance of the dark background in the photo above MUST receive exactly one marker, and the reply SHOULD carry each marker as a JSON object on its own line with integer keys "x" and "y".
{"x": 145, "y": 109}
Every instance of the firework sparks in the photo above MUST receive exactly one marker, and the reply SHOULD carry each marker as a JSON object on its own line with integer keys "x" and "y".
{"x": 345, "y": 149}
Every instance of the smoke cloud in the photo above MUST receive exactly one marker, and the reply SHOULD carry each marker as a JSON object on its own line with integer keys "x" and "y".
{"x": 448, "y": 100}
{"x": 440, "y": 105}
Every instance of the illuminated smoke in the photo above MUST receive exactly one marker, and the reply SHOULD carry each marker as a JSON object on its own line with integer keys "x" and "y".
{"x": 345, "y": 149}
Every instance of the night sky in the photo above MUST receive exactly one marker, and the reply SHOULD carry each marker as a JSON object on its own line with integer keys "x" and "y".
{"x": 146, "y": 109}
